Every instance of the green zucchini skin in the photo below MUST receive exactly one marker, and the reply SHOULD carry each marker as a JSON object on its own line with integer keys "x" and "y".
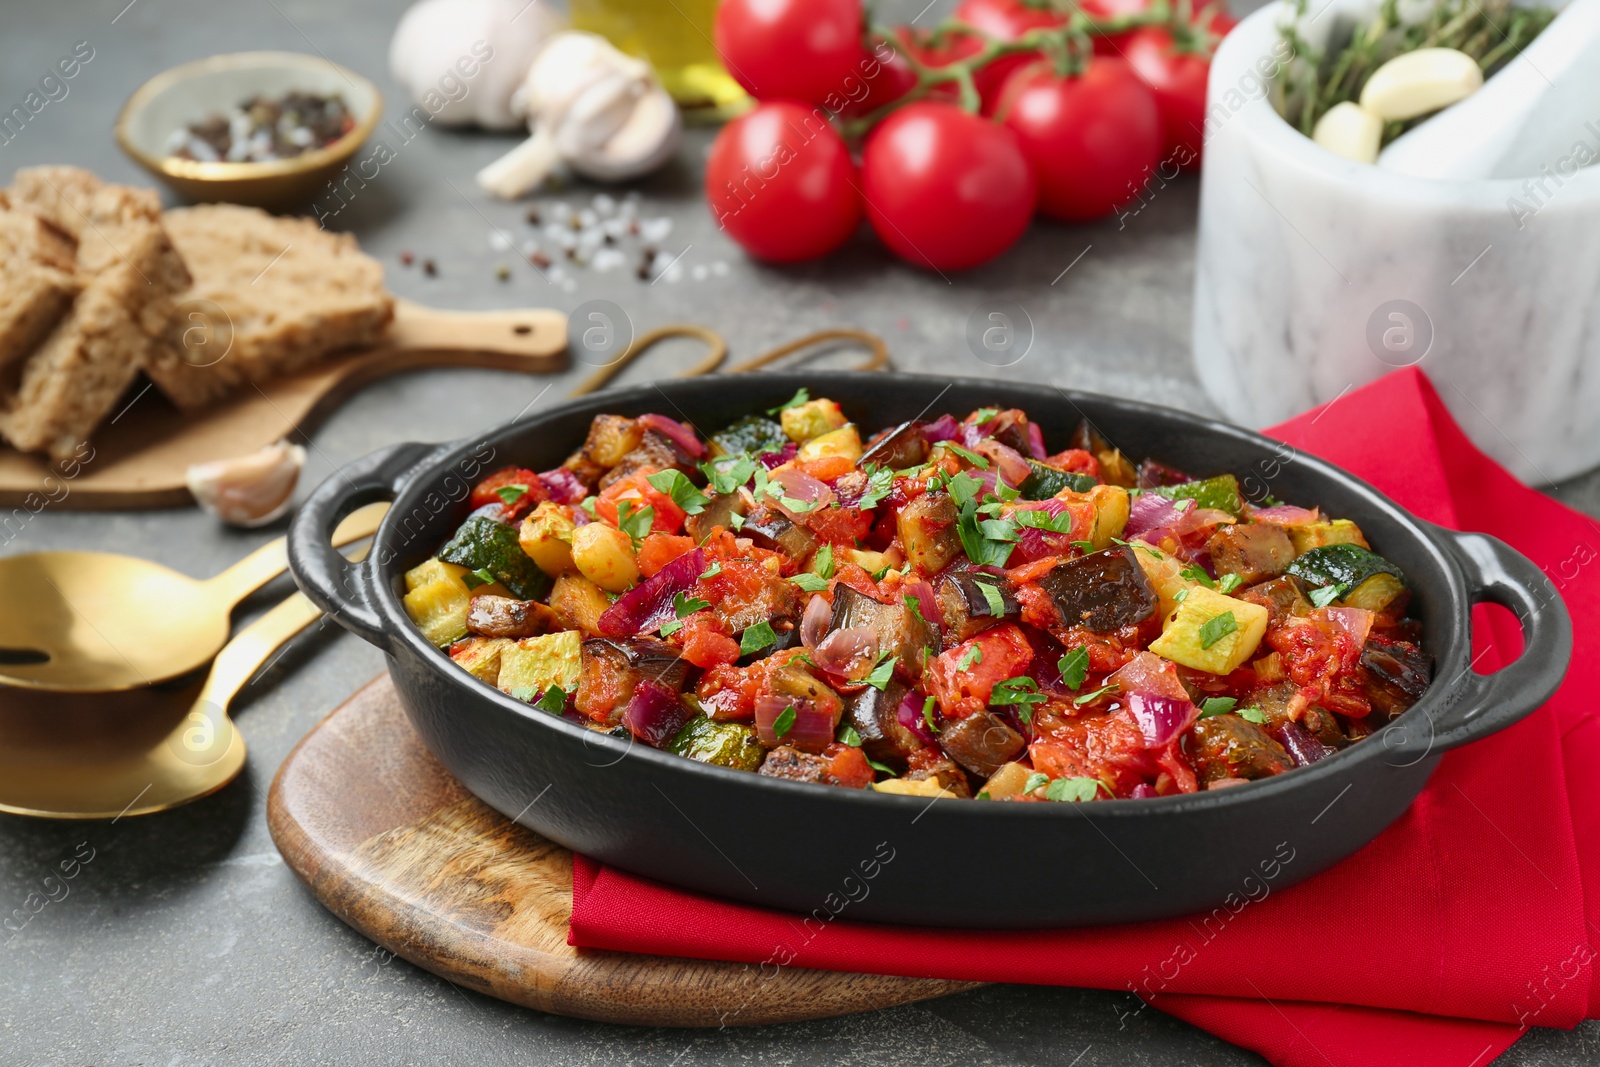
{"x": 1347, "y": 565}
{"x": 1221, "y": 492}
{"x": 483, "y": 544}
{"x": 726, "y": 744}
{"x": 753, "y": 434}
{"x": 1045, "y": 482}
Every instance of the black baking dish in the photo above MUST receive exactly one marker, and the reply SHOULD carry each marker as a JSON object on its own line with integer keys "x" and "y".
{"x": 955, "y": 863}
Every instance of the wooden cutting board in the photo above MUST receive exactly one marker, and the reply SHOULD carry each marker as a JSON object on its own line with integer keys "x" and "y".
{"x": 394, "y": 846}
{"x": 140, "y": 455}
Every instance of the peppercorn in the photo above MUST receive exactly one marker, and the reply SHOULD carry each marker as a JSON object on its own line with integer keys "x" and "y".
{"x": 540, "y": 260}
{"x": 502, "y": 271}
{"x": 533, "y": 216}
{"x": 406, "y": 259}
{"x": 430, "y": 268}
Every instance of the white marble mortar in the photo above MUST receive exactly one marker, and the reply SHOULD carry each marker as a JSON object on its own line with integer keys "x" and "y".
{"x": 1317, "y": 275}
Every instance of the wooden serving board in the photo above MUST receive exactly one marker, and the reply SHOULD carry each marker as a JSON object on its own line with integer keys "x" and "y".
{"x": 394, "y": 846}
{"x": 139, "y": 460}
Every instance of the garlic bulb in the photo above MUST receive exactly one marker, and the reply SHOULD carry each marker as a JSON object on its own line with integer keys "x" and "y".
{"x": 600, "y": 112}
{"x": 251, "y": 490}
{"x": 461, "y": 60}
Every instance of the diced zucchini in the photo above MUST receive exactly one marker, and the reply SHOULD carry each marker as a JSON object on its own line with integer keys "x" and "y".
{"x": 1045, "y": 482}
{"x": 726, "y": 744}
{"x": 868, "y": 560}
{"x": 435, "y": 570}
{"x": 482, "y": 544}
{"x": 537, "y": 663}
{"x": 754, "y": 434}
{"x": 480, "y": 656}
{"x": 1375, "y": 593}
{"x": 1364, "y": 578}
{"x": 604, "y": 555}
{"x": 1311, "y": 535}
{"x": 1221, "y": 492}
{"x": 546, "y": 537}
{"x": 845, "y": 441}
{"x": 1110, "y": 514}
{"x": 923, "y": 787}
{"x": 812, "y": 419}
{"x": 1006, "y": 782}
{"x": 440, "y": 610}
{"x": 580, "y": 602}
{"x": 1198, "y": 634}
{"x": 1165, "y": 572}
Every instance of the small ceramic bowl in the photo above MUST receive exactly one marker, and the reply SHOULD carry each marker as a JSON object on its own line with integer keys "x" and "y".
{"x": 195, "y": 91}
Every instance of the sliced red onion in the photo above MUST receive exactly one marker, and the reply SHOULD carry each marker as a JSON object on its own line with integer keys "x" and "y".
{"x": 969, "y": 435}
{"x": 812, "y": 730}
{"x": 798, "y": 485}
{"x": 649, "y": 604}
{"x": 814, "y": 623}
{"x": 1282, "y": 515}
{"x": 1160, "y": 718}
{"x": 655, "y": 714}
{"x": 926, "y": 600}
{"x": 1036, "y": 441}
{"x": 909, "y": 715}
{"x": 1007, "y": 461}
{"x": 1357, "y": 622}
{"x": 847, "y": 652}
{"x": 1149, "y": 673}
{"x": 563, "y": 486}
{"x": 686, "y": 438}
{"x": 944, "y": 428}
{"x": 1143, "y": 791}
{"x": 1303, "y": 749}
{"x": 1035, "y": 544}
{"x": 1151, "y": 513}
{"x": 774, "y": 460}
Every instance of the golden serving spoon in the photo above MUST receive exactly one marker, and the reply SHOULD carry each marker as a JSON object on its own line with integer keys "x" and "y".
{"x": 98, "y": 622}
{"x": 107, "y": 755}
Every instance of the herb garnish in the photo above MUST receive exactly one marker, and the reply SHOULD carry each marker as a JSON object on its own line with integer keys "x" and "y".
{"x": 801, "y": 396}
{"x": 880, "y": 482}
{"x": 635, "y": 523}
{"x": 1326, "y": 595}
{"x": 927, "y": 714}
{"x": 1217, "y": 706}
{"x": 682, "y": 606}
{"x": 1090, "y": 698}
{"x": 1229, "y": 582}
{"x": 677, "y": 485}
{"x": 882, "y": 672}
{"x": 811, "y": 583}
{"x": 474, "y": 579}
{"x": 1215, "y": 629}
{"x": 510, "y": 494}
{"x": 1040, "y": 519}
{"x": 785, "y": 720}
{"x": 1074, "y": 667}
{"x": 1074, "y": 790}
{"x": 1255, "y": 715}
{"x": 757, "y": 637}
{"x": 726, "y": 474}
{"x": 969, "y": 657}
{"x": 553, "y": 701}
{"x": 992, "y": 598}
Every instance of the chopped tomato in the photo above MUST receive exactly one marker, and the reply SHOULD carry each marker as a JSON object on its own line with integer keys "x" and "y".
{"x": 848, "y": 766}
{"x": 1075, "y": 461}
{"x": 839, "y": 525}
{"x": 1032, "y": 572}
{"x": 704, "y": 643}
{"x": 487, "y": 492}
{"x": 1317, "y": 655}
{"x": 857, "y": 579}
{"x": 963, "y": 678}
{"x": 728, "y": 693}
{"x": 660, "y": 549}
{"x": 826, "y": 468}
{"x": 640, "y": 494}
{"x": 721, "y": 546}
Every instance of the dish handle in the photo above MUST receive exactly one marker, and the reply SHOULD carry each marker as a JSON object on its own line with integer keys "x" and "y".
{"x": 329, "y": 580}
{"x": 1497, "y": 573}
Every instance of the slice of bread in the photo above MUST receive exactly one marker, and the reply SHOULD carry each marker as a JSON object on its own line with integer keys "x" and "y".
{"x": 37, "y": 281}
{"x": 278, "y": 294}
{"x": 129, "y": 273}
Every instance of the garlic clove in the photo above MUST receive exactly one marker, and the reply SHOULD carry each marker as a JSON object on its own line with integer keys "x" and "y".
{"x": 1351, "y": 131}
{"x": 645, "y": 142}
{"x": 251, "y": 490}
{"x": 1418, "y": 82}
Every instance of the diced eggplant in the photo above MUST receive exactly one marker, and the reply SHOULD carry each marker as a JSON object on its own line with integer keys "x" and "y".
{"x": 1152, "y": 474}
{"x": 655, "y": 451}
{"x": 928, "y": 534}
{"x": 613, "y": 669}
{"x": 719, "y": 511}
{"x": 1010, "y": 428}
{"x": 967, "y": 603}
{"x": 1226, "y": 746}
{"x": 764, "y": 597}
{"x": 793, "y": 765}
{"x": 502, "y": 616}
{"x": 1284, "y": 598}
{"x": 875, "y": 716}
{"x": 1103, "y": 591}
{"x": 1398, "y": 673}
{"x": 902, "y": 447}
{"x": 947, "y": 774}
{"x": 900, "y": 633}
{"x": 771, "y": 529}
{"x": 981, "y": 743}
{"x": 1253, "y": 551}
{"x": 1282, "y": 703}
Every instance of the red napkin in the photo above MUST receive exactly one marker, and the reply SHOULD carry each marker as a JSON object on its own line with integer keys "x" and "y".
{"x": 1439, "y": 943}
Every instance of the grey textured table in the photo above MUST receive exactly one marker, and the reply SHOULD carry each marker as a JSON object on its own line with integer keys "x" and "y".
{"x": 186, "y": 940}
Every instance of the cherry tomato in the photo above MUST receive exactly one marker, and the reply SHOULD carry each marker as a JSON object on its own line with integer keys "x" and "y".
{"x": 791, "y": 49}
{"x": 1007, "y": 20}
{"x": 945, "y": 189}
{"x": 886, "y": 76}
{"x": 511, "y": 479}
{"x": 781, "y": 182}
{"x": 1178, "y": 80}
{"x": 1105, "y": 10}
{"x": 1092, "y": 139}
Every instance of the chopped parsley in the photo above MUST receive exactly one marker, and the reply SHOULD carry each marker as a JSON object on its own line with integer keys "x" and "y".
{"x": 1074, "y": 667}
{"x": 1073, "y": 790}
{"x": 587, "y": 504}
{"x": 972, "y": 655}
{"x": 524, "y": 693}
{"x": 880, "y": 482}
{"x": 988, "y": 543}
{"x": 1255, "y": 715}
{"x": 801, "y": 396}
{"x": 1217, "y": 706}
{"x": 774, "y": 491}
{"x": 1197, "y": 574}
{"x": 713, "y": 570}
{"x": 510, "y": 494}
{"x": 726, "y": 474}
{"x": 635, "y": 523}
{"x": 971, "y": 457}
{"x": 1040, "y": 519}
{"x": 963, "y": 488}
{"x": 875, "y": 765}
{"x": 473, "y": 579}
{"x": 1021, "y": 693}
{"x": 992, "y": 598}
{"x": 822, "y": 562}
{"x": 1090, "y": 698}
{"x": 983, "y": 415}
{"x": 848, "y": 735}
{"x": 785, "y": 720}
{"x": 757, "y": 637}
{"x": 878, "y": 574}
{"x": 1085, "y": 547}
{"x": 927, "y": 714}
{"x": 915, "y": 604}
{"x": 1180, "y": 596}
{"x": 811, "y": 583}
{"x": 1326, "y": 595}
{"x": 1229, "y": 582}
{"x": 737, "y": 520}
{"x": 554, "y": 700}
{"x": 682, "y": 606}
{"x": 1215, "y": 629}
{"x": 677, "y": 485}
{"x": 882, "y": 672}
{"x": 1034, "y": 781}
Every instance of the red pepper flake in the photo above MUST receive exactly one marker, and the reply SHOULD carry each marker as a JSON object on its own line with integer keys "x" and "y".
{"x": 406, "y": 259}
{"x": 540, "y": 260}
